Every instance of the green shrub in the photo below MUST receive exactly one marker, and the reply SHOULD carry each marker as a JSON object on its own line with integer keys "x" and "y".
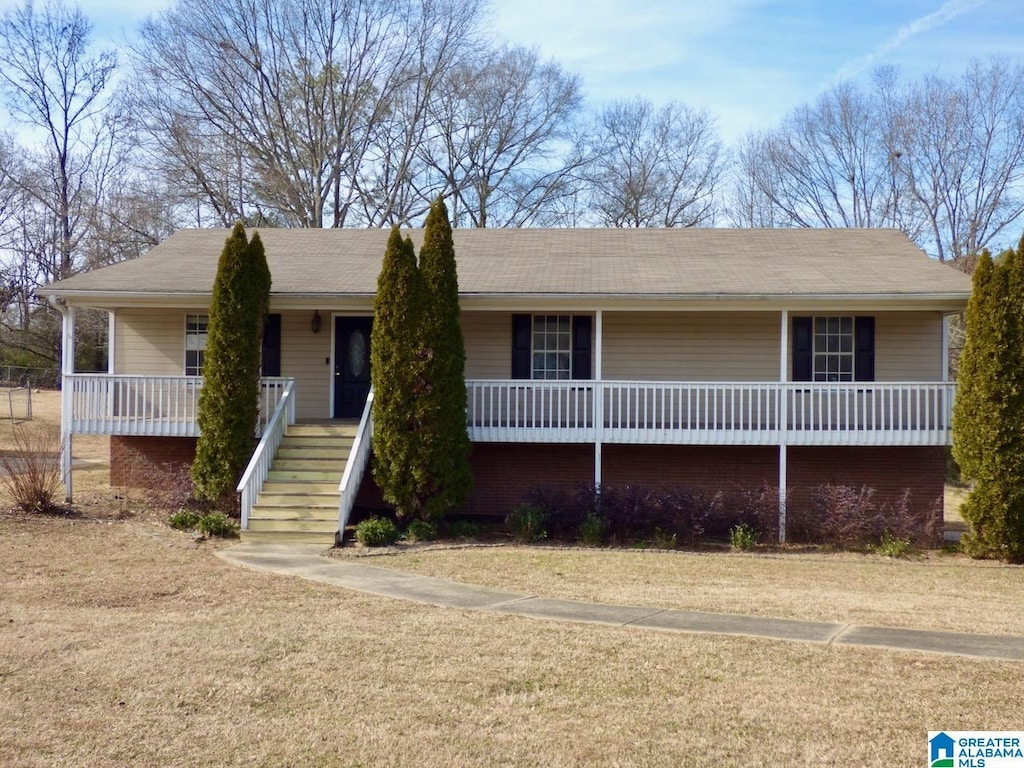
{"x": 526, "y": 522}
{"x": 891, "y": 546}
{"x": 743, "y": 538}
{"x": 184, "y": 520}
{"x": 444, "y": 476}
{"x": 396, "y": 324}
{"x": 217, "y": 524}
{"x": 664, "y": 540}
{"x": 593, "y": 531}
{"x": 229, "y": 399}
{"x": 210, "y": 524}
{"x": 462, "y": 529}
{"x": 376, "y": 532}
{"x": 421, "y": 530}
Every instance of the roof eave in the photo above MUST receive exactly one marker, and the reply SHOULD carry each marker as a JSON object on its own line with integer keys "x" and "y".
{"x": 943, "y": 301}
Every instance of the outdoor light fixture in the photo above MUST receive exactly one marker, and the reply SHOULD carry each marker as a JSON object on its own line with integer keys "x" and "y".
{"x": 316, "y": 323}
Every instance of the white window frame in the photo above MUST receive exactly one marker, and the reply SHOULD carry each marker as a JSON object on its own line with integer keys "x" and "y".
{"x": 833, "y": 348}
{"x": 551, "y": 350}
{"x": 200, "y": 332}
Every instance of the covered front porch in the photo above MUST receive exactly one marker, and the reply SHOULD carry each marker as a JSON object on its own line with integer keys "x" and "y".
{"x": 582, "y": 411}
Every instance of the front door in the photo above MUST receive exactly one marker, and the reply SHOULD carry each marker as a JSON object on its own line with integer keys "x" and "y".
{"x": 351, "y": 365}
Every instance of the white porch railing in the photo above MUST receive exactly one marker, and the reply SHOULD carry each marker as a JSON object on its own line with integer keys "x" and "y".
{"x": 102, "y": 404}
{"x": 710, "y": 413}
{"x": 259, "y": 465}
{"x": 355, "y": 467}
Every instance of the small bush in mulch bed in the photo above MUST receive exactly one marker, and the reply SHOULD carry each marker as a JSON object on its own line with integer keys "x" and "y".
{"x": 376, "y": 532}
{"x": 210, "y": 524}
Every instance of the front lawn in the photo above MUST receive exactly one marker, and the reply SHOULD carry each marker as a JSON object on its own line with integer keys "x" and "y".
{"x": 933, "y": 590}
{"x": 123, "y": 643}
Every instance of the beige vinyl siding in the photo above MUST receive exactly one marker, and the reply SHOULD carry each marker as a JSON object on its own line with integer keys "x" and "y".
{"x": 488, "y": 339}
{"x": 908, "y": 346}
{"x": 718, "y": 346}
{"x": 151, "y": 342}
{"x": 304, "y": 357}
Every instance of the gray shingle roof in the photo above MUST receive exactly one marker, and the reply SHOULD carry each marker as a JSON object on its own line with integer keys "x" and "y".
{"x": 578, "y": 262}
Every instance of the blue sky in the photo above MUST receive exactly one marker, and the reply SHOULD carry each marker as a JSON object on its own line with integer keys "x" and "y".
{"x": 748, "y": 62}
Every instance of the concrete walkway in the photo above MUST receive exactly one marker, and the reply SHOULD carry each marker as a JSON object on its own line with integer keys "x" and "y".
{"x": 308, "y": 562}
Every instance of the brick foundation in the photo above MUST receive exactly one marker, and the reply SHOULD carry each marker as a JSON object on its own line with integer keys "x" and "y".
{"x": 142, "y": 462}
{"x": 889, "y": 470}
{"x": 708, "y": 468}
{"x": 506, "y": 473}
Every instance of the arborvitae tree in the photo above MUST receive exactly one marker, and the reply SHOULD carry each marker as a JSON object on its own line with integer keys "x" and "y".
{"x": 394, "y": 339}
{"x": 229, "y": 400}
{"x": 988, "y": 416}
{"x": 443, "y": 478}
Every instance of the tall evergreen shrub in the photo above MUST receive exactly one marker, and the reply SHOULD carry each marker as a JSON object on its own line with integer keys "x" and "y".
{"x": 229, "y": 400}
{"x": 444, "y": 479}
{"x": 394, "y": 340}
{"x": 988, "y": 416}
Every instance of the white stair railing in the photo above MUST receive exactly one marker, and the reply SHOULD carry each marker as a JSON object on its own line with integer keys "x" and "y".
{"x": 358, "y": 457}
{"x": 259, "y": 465}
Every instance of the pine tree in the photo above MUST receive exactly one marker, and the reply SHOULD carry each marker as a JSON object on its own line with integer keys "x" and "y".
{"x": 397, "y": 317}
{"x": 988, "y": 416}
{"x": 229, "y": 399}
{"x": 443, "y": 479}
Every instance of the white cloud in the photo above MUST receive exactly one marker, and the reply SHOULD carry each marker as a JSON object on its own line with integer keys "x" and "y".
{"x": 948, "y": 11}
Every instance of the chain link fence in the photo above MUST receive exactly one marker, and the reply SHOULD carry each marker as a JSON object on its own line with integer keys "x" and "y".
{"x": 23, "y": 376}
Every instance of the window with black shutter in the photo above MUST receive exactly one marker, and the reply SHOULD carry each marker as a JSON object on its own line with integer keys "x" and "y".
{"x": 551, "y": 346}
{"x": 271, "y": 352}
{"x": 833, "y": 348}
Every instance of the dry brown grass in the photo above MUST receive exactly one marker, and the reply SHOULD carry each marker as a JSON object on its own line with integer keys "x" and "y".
{"x": 936, "y": 591}
{"x": 123, "y": 643}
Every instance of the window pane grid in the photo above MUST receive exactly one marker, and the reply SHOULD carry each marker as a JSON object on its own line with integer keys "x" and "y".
{"x": 552, "y": 347}
{"x": 833, "y": 349}
{"x": 195, "y": 343}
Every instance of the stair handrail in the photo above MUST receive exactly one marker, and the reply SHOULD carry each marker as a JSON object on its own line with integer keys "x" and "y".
{"x": 259, "y": 465}
{"x": 355, "y": 467}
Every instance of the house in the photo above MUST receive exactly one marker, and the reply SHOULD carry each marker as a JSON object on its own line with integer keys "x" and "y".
{"x": 693, "y": 357}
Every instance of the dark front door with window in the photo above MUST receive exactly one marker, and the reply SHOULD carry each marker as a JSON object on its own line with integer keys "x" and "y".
{"x": 351, "y": 365}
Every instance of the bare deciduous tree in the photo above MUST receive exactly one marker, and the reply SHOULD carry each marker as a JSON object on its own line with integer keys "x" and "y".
{"x": 961, "y": 151}
{"x": 298, "y": 93}
{"x": 60, "y": 91}
{"x": 504, "y": 141}
{"x": 825, "y": 166}
{"x": 942, "y": 160}
{"x": 52, "y": 84}
{"x": 654, "y": 167}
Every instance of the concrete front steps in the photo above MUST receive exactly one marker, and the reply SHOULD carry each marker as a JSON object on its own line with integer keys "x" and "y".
{"x": 299, "y": 500}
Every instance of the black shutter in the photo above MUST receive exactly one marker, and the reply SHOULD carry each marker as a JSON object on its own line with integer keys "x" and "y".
{"x": 864, "y": 349}
{"x": 271, "y": 353}
{"x": 803, "y": 349}
{"x": 522, "y": 329}
{"x": 581, "y": 346}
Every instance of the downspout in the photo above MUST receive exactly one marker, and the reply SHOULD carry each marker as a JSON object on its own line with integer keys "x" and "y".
{"x": 67, "y": 366}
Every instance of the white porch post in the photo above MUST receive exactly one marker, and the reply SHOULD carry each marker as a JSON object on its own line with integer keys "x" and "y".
{"x": 783, "y": 416}
{"x": 945, "y": 348}
{"x": 111, "y": 324}
{"x": 67, "y": 364}
{"x": 598, "y": 395}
